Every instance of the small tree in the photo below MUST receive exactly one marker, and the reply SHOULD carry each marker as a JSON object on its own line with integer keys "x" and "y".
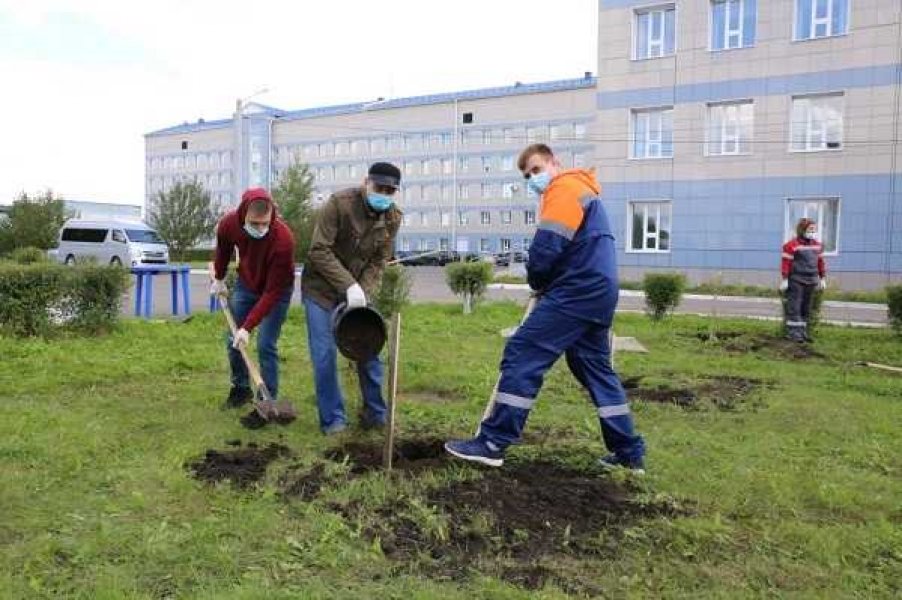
{"x": 292, "y": 195}
{"x": 663, "y": 292}
{"x": 183, "y": 216}
{"x": 33, "y": 222}
{"x": 469, "y": 281}
{"x": 394, "y": 292}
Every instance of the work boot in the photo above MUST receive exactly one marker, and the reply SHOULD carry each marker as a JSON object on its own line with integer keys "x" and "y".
{"x": 369, "y": 422}
{"x": 794, "y": 334}
{"x": 238, "y": 397}
{"x": 806, "y": 337}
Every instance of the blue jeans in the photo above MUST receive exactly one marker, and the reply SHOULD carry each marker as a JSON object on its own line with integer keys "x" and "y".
{"x": 323, "y": 355}
{"x": 241, "y": 303}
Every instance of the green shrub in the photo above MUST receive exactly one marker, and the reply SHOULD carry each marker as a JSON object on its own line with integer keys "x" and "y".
{"x": 663, "y": 292}
{"x": 469, "y": 281}
{"x": 40, "y": 298}
{"x": 198, "y": 255}
{"x": 894, "y": 306}
{"x": 28, "y": 255}
{"x": 394, "y": 291}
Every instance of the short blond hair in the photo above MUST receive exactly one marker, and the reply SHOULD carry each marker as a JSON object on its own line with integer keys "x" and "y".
{"x": 531, "y": 150}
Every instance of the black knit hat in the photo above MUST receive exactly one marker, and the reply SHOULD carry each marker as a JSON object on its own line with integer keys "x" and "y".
{"x": 383, "y": 173}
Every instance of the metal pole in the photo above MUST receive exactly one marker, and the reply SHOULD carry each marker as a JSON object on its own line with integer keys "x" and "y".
{"x": 236, "y": 165}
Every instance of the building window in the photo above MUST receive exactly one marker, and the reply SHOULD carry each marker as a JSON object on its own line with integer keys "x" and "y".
{"x": 421, "y": 245}
{"x": 463, "y": 191}
{"x": 821, "y": 18}
{"x": 505, "y": 217}
{"x": 579, "y": 160}
{"x": 529, "y": 217}
{"x": 649, "y": 225}
{"x": 447, "y": 166}
{"x": 425, "y": 167}
{"x": 508, "y": 135}
{"x": 443, "y": 244}
{"x": 526, "y": 243}
{"x": 507, "y": 190}
{"x": 446, "y": 192}
{"x": 729, "y": 128}
{"x": 354, "y": 171}
{"x": 508, "y": 163}
{"x": 463, "y": 218}
{"x": 408, "y": 168}
{"x": 652, "y": 133}
{"x": 405, "y": 245}
{"x": 732, "y": 24}
{"x": 505, "y": 244}
{"x": 446, "y": 139}
{"x": 485, "y": 217}
{"x": 486, "y": 164}
{"x": 654, "y": 32}
{"x": 823, "y": 211}
{"x": 424, "y": 218}
{"x": 445, "y": 219}
{"x": 579, "y": 130}
{"x": 484, "y": 245}
{"x": 463, "y": 164}
{"x": 816, "y": 123}
{"x": 407, "y": 220}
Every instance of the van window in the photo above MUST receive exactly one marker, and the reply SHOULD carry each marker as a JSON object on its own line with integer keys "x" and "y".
{"x": 144, "y": 236}
{"x": 84, "y": 235}
{"x": 118, "y": 236}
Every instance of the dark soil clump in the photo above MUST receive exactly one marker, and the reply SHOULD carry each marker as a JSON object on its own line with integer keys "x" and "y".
{"x": 242, "y": 467}
{"x": 409, "y": 455}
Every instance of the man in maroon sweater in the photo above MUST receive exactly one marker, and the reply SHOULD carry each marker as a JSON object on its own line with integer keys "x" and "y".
{"x": 262, "y": 293}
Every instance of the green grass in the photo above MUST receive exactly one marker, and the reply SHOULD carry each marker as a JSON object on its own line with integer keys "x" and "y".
{"x": 796, "y": 493}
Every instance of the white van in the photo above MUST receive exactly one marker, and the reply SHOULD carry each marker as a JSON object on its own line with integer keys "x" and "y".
{"x": 111, "y": 242}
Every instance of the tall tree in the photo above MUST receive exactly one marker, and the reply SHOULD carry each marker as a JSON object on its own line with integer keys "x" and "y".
{"x": 183, "y": 216}
{"x": 33, "y": 221}
{"x": 293, "y": 196}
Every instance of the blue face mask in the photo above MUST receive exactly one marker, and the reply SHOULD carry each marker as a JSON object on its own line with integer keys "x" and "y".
{"x": 254, "y": 232}
{"x": 379, "y": 202}
{"x": 539, "y": 182}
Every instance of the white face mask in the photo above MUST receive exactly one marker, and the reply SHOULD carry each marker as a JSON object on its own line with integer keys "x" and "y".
{"x": 810, "y": 235}
{"x": 255, "y": 233}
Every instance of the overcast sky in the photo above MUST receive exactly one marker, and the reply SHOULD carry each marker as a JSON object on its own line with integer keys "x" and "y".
{"x": 83, "y": 81}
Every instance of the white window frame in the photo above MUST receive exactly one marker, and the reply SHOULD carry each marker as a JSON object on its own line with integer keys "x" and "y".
{"x": 424, "y": 218}
{"x": 463, "y": 217}
{"x": 789, "y": 227}
{"x": 815, "y": 21}
{"x": 650, "y": 140}
{"x": 507, "y": 163}
{"x": 506, "y": 217}
{"x": 445, "y": 219}
{"x": 650, "y": 41}
{"x": 743, "y": 143}
{"x": 405, "y": 244}
{"x": 659, "y": 203}
{"x": 485, "y": 245}
{"x": 727, "y": 32}
{"x": 485, "y": 217}
{"x": 406, "y": 219}
{"x": 529, "y": 217}
{"x": 820, "y": 131}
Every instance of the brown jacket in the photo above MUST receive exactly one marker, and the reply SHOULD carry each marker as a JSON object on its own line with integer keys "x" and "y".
{"x": 351, "y": 243}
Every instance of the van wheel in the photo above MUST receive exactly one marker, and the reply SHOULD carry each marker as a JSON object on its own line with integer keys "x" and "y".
{"x": 115, "y": 261}
{"x": 70, "y": 261}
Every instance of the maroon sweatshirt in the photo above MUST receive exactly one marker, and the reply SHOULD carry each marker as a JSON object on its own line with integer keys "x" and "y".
{"x": 265, "y": 266}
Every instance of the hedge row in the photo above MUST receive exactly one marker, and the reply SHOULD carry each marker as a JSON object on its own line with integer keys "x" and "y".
{"x": 41, "y": 298}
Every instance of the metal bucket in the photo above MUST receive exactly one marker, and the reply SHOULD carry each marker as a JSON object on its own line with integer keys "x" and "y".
{"x": 360, "y": 333}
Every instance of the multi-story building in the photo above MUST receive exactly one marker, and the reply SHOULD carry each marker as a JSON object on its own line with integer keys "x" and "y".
{"x": 721, "y": 122}
{"x": 457, "y": 151}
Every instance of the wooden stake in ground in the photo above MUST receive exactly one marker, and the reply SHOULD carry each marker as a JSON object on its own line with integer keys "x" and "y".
{"x": 393, "y": 356}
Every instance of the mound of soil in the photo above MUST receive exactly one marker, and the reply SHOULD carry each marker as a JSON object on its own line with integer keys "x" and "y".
{"x": 409, "y": 455}
{"x": 242, "y": 467}
{"x": 724, "y": 391}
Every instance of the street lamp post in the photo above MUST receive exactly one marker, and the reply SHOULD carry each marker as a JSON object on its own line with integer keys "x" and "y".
{"x": 454, "y": 159}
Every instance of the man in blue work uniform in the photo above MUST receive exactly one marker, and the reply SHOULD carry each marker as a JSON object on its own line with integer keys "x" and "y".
{"x": 572, "y": 266}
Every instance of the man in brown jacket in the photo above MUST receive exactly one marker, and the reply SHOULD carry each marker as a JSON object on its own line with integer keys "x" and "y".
{"x": 353, "y": 240}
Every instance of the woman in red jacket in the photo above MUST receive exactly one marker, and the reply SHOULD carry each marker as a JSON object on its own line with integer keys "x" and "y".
{"x": 803, "y": 273}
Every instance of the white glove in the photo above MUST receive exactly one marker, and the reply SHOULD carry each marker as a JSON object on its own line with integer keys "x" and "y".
{"x": 822, "y": 284}
{"x": 784, "y": 285}
{"x": 356, "y": 297}
{"x": 240, "y": 339}
{"x": 218, "y": 287}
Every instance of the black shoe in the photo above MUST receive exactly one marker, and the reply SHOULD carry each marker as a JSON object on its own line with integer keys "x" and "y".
{"x": 806, "y": 337}
{"x": 368, "y": 422}
{"x": 238, "y": 397}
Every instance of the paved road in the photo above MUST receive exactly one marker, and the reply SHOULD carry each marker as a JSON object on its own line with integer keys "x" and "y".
{"x": 429, "y": 286}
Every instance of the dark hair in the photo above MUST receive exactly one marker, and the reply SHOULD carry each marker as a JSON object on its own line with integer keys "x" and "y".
{"x": 803, "y": 226}
{"x": 258, "y": 207}
{"x": 527, "y": 153}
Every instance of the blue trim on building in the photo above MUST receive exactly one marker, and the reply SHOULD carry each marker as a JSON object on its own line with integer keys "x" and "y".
{"x": 739, "y": 223}
{"x": 561, "y": 85}
{"x": 713, "y": 91}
